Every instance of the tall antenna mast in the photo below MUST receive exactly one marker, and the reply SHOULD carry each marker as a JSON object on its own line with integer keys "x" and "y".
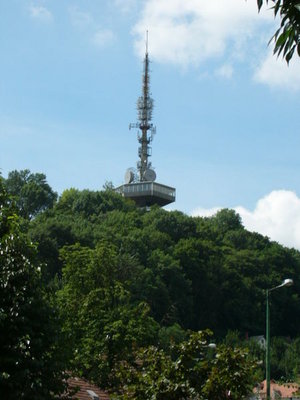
{"x": 140, "y": 185}
{"x": 146, "y": 128}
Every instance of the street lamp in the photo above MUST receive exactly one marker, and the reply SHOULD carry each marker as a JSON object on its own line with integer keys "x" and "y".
{"x": 286, "y": 282}
{"x": 212, "y": 346}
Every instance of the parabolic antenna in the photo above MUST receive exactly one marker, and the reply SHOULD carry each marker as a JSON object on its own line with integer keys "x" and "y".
{"x": 149, "y": 175}
{"x": 129, "y": 176}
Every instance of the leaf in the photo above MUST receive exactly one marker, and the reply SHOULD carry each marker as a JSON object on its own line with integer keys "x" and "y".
{"x": 289, "y": 55}
{"x": 281, "y": 39}
{"x": 259, "y": 4}
{"x": 276, "y": 8}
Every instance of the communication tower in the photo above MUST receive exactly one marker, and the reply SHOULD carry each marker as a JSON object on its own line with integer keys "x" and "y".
{"x": 140, "y": 184}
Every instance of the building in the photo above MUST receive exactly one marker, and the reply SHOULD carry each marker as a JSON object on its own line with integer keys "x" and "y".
{"x": 286, "y": 391}
{"x": 85, "y": 390}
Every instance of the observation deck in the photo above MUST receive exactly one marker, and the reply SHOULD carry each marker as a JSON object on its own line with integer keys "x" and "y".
{"x": 146, "y": 194}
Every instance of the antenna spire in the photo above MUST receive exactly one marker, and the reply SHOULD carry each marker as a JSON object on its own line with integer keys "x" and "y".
{"x": 147, "y": 42}
{"x": 146, "y": 128}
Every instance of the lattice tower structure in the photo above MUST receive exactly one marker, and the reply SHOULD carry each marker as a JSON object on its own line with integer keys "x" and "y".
{"x": 146, "y": 128}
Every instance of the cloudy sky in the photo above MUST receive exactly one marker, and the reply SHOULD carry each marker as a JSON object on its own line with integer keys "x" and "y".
{"x": 226, "y": 110}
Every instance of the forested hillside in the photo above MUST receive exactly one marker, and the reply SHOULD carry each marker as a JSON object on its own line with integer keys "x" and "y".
{"x": 125, "y": 278}
{"x": 197, "y": 272}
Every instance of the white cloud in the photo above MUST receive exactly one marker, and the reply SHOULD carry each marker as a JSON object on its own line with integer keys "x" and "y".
{"x": 191, "y": 31}
{"x": 205, "y": 212}
{"x": 276, "y": 215}
{"x": 103, "y": 37}
{"x": 40, "y": 13}
{"x": 275, "y": 72}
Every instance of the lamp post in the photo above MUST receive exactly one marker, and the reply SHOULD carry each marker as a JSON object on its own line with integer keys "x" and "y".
{"x": 286, "y": 282}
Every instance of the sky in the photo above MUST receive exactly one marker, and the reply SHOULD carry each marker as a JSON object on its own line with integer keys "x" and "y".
{"x": 226, "y": 110}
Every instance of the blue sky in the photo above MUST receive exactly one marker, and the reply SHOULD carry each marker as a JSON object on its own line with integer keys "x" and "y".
{"x": 226, "y": 110}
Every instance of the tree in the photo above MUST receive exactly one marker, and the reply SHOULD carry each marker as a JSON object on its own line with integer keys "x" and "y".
{"x": 31, "y": 192}
{"x": 196, "y": 371}
{"x": 287, "y": 36}
{"x": 226, "y": 220}
{"x": 102, "y": 323}
{"x": 232, "y": 375}
{"x": 31, "y": 367}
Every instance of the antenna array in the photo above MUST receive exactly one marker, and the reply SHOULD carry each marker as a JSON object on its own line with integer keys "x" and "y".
{"x": 146, "y": 128}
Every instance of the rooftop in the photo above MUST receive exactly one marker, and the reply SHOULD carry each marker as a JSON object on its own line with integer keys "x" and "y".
{"x": 278, "y": 391}
{"x": 86, "y": 390}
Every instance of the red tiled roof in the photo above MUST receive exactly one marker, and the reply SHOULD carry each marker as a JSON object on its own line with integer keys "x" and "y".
{"x": 83, "y": 387}
{"x": 285, "y": 390}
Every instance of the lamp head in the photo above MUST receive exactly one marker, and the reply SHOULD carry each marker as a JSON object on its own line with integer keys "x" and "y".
{"x": 212, "y": 345}
{"x": 287, "y": 282}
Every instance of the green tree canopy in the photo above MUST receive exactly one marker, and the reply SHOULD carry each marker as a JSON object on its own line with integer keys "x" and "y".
{"x": 197, "y": 272}
{"x": 31, "y": 367}
{"x": 31, "y": 192}
{"x": 102, "y": 322}
{"x": 195, "y": 371}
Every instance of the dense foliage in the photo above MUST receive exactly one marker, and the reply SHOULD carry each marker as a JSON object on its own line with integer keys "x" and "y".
{"x": 31, "y": 192}
{"x": 30, "y": 364}
{"x": 197, "y": 272}
{"x": 197, "y": 370}
{"x": 131, "y": 284}
{"x": 102, "y": 323}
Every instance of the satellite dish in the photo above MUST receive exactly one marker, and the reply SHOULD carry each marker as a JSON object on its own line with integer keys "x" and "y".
{"x": 129, "y": 176}
{"x": 149, "y": 175}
